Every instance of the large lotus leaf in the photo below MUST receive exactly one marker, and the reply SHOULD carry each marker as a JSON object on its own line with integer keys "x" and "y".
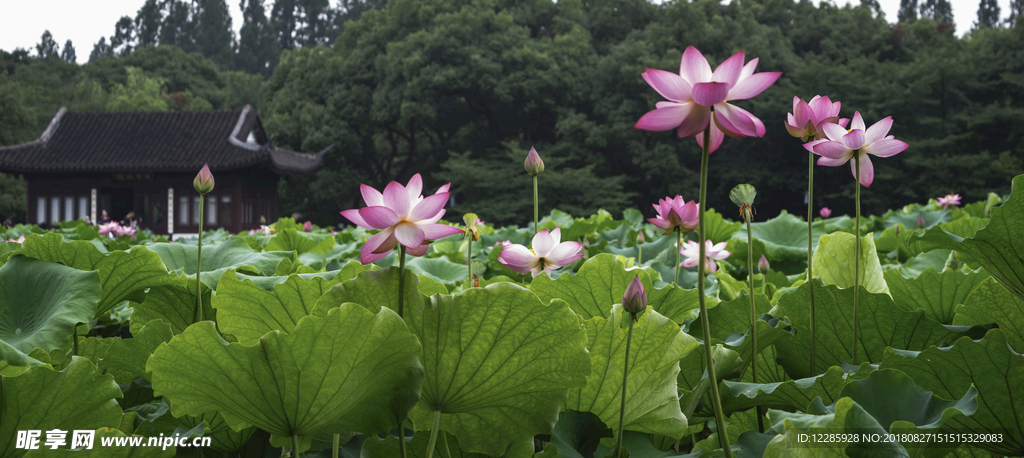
{"x": 882, "y": 325}
{"x": 993, "y": 303}
{"x": 999, "y": 247}
{"x": 440, "y": 269}
{"x": 338, "y": 252}
{"x": 719, "y": 229}
{"x": 447, "y": 445}
{"x": 499, "y": 364}
{"x": 126, "y": 358}
{"x": 118, "y": 449}
{"x": 791, "y": 394}
{"x": 844, "y": 417}
{"x": 909, "y": 220}
{"x": 936, "y": 293}
{"x": 78, "y": 397}
{"x": 373, "y": 289}
{"x": 898, "y": 404}
{"x": 600, "y": 282}
{"x": 233, "y": 252}
{"x": 213, "y": 425}
{"x": 991, "y": 367}
{"x": 652, "y": 402}
{"x": 174, "y": 304}
{"x": 346, "y": 272}
{"x": 738, "y": 246}
{"x": 351, "y": 370}
{"x": 41, "y": 302}
{"x": 676, "y": 303}
{"x": 936, "y": 259}
{"x": 578, "y": 434}
{"x": 14, "y": 362}
{"x": 247, "y": 311}
{"x": 833, "y": 262}
{"x": 784, "y": 237}
{"x": 893, "y": 242}
{"x": 121, "y": 273}
{"x": 649, "y": 250}
{"x": 300, "y": 242}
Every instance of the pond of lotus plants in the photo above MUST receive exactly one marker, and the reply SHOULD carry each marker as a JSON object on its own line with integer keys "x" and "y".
{"x": 683, "y": 334}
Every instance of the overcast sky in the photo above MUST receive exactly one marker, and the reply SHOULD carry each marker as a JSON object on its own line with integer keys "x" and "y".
{"x": 23, "y": 22}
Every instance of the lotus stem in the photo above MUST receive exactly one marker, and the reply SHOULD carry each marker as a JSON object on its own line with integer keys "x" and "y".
{"x": 536, "y": 205}
{"x": 446, "y": 449}
{"x": 856, "y": 256}
{"x": 295, "y": 446}
{"x": 679, "y": 247}
{"x": 640, "y": 255}
{"x": 198, "y": 315}
{"x": 74, "y": 340}
{"x": 336, "y": 444}
{"x": 469, "y": 256}
{"x": 433, "y": 434}
{"x": 401, "y": 279}
{"x": 625, "y": 375}
{"x": 723, "y": 435}
{"x": 401, "y": 437}
{"x": 810, "y": 237}
{"x": 753, "y": 314}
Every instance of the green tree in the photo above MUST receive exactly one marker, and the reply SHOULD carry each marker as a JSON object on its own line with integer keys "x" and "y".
{"x": 47, "y": 47}
{"x": 988, "y": 14}
{"x": 257, "y": 51}
{"x": 147, "y": 23}
{"x": 1016, "y": 9}
{"x": 142, "y": 93}
{"x": 177, "y": 28}
{"x": 907, "y": 12}
{"x": 68, "y": 53}
{"x": 285, "y": 23}
{"x": 123, "y": 40}
{"x": 100, "y": 50}
{"x": 939, "y": 11}
{"x": 213, "y": 33}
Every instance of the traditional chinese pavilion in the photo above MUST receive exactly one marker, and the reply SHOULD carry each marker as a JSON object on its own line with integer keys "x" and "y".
{"x": 85, "y": 163}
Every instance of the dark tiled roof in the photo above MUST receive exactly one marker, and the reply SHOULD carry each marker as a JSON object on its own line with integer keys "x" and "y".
{"x": 177, "y": 141}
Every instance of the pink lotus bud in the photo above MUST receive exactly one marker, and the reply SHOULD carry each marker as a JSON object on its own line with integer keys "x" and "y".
{"x": 640, "y": 237}
{"x": 634, "y": 300}
{"x": 762, "y": 264}
{"x": 534, "y": 165}
{"x": 920, "y": 220}
{"x": 308, "y": 227}
{"x": 204, "y": 181}
{"x": 263, "y": 220}
{"x": 826, "y": 212}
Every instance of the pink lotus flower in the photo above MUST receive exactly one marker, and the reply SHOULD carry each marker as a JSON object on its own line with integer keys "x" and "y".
{"x": 712, "y": 253}
{"x": 696, "y": 89}
{"x": 807, "y": 118}
{"x": 405, "y": 216}
{"x": 19, "y": 240}
{"x": 841, "y": 145}
{"x": 949, "y": 200}
{"x": 307, "y": 227}
{"x": 674, "y": 213}
{"x": 826, "y": 212}
{"x": 547, "y": 254}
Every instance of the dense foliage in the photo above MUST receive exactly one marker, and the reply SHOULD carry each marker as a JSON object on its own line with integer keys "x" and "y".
{"x": 461, "y": 89}
{"x": 98, "y": 333}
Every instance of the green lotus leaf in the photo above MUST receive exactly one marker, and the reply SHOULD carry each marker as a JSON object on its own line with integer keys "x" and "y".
{"x": 446, "y": 445}
{"x": 232, "y": 253}
{"x": 346, "y": 272}
{"x": 993, "y": 303}
{"x": 784, "y": 237}
{"x": 719, "y": 229}
{"x": 578, "y": 434}
{"x": 676, "y": 303}
{"x": 882, "y": 324}
{"x": 337, "y": 252}
{"x": 988, "y": 365}
{"x": 121, "y": 273}
{"x": 213, "y": 425}
{"x": 936, "y": 259}
{"x": 78, "y": 397}
{"x": 351, "y": 370}
{"x": 791, "y": 394}
{"x": 99, "y": 451}
{"x": 844, "y": 417}
{"x": 41, "y": 302}
{"x": 909, "y": 220}
{"x": 892, "y": 398}
{"x": 126, "y": 358}
{"x": 600, "y": 282}
{"x": 999, "y": 247}
{"x": 833, "y": 262}
{"x": 739, "y": 249}
{"x": 651, "y": 248}
{"x": 440, "y": 269}
{"x": 14, "y": 362}
{"x": 373, "y": 289}
{"x": 174, "y": 304}
{"x": 300, "y": 242}
{"x": 499, "y": 364}
{"x": 936, "y": 293}
{"x": 652, "y": 402}
{"x": 893, "y": 240}
{"x": 247, "y": 311}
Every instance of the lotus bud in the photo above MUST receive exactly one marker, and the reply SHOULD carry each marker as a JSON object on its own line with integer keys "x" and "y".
{"x": 308, "y": 226}
{"x": 826, "y": 212}
{"x": 204, "y": 181}
{"x": 634, "y": 300}
{"x": 640, "y": 237}
{"x": 762, "y": 264}
{"x": 920, "y": 220}
{"x": 534, "y": 165}
{"x": 263, "y": 220}
{"x": 897, "y": 230}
